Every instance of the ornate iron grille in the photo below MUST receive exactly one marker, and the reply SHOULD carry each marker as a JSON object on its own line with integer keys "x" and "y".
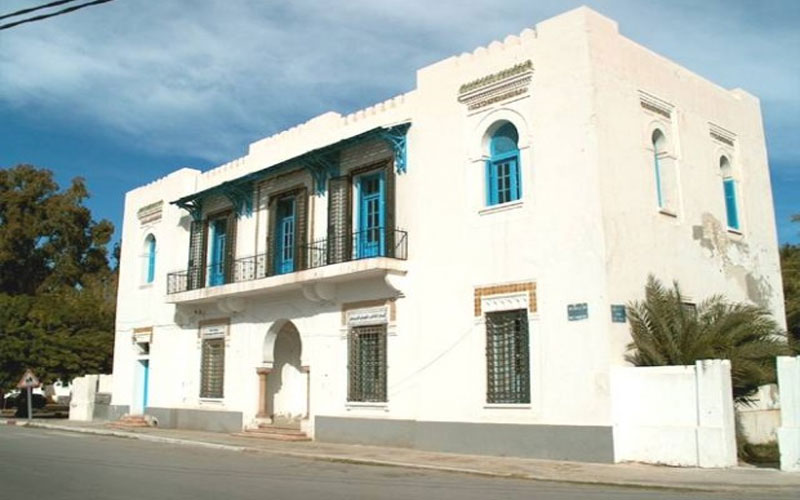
{"x": 313, "y": 255}
{"x": 507, "y": 357}
{"x": 367, "y": 363}
{"x": 212, "y": 374}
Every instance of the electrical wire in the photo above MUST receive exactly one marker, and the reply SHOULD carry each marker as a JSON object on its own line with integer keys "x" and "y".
{"x": 38, "y": 7}
{"x": 54, "y": 14}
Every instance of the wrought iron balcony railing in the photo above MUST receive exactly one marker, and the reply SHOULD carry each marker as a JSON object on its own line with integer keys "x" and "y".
{"x": 377, "y": 242}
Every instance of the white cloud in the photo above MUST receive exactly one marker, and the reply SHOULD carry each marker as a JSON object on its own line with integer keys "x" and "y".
{"x": 206, "y": 78}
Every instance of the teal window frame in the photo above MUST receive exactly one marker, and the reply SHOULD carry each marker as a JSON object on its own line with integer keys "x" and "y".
{"x": 151, "y": 259}
{"x": 731, "y": 206}
{"x": 503, "y": 176}
{"x": 216, "y": 266}
{"x": 371, "y": 239}
{"x": 657, "y": 165}
{"x": 286, "y": 235}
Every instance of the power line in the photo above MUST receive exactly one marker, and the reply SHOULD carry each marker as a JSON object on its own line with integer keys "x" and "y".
{"x": 54, "y": 14}
{"x": 25, "y": 11}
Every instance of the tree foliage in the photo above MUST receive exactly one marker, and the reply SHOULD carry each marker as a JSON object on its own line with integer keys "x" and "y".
{"x": 667, "y": 332}
{"x": 790, "y": 269}
{"x": 57, "y": 291}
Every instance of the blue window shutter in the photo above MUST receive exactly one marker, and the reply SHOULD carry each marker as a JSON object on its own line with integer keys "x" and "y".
{"x": 731, "y": 211}
{"x": 151, "y": 260}
{"x": 657, "y": 167}
{"x": 491, "y": 183}
{"x": 516, "y": 180}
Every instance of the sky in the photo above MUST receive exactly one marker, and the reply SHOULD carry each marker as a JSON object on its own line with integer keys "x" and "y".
{"x": 125, "y": 92}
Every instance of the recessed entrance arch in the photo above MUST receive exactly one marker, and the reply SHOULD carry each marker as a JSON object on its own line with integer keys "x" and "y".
{"x": 284, "y": 379}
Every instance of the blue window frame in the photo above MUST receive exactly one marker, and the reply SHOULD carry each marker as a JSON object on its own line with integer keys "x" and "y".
{"x": 219, "y": 234}
{"x": 151, "y": 258}
{"x": 729, "y": 186}
{"x": 285, "y": 234}
{"x": 503, "y": 179}
{"x": 371, "y": 236}
{"x": 729, "y": 190}
{"x": 658, "y": 148}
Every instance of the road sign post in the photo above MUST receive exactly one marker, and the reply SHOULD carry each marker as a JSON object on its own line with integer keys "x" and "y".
{"x": 30, "y": 404}
{"x": 28, "y": 382}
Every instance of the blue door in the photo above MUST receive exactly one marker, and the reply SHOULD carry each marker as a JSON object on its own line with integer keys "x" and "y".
{"x": 216, "y": 271}
{"x": 284, "y": 236}
{"x": 145, "y": 382}
{"x": 371, "y": 239}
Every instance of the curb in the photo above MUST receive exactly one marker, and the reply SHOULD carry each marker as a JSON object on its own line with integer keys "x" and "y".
{"x": 391, "y": 463}
{"x": 134, "y": 435}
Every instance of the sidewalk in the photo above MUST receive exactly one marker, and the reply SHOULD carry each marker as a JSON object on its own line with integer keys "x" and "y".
{"x": 649, "y": 476}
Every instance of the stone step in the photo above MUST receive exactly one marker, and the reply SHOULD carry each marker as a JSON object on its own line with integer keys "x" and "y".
{"x": 280, "y": 432}
{"x": 277, "y": 430}
{"x": 130, "y": 421}
{"x": 273, "y": 436}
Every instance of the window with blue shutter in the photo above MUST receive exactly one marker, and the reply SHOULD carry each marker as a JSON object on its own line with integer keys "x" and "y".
{"x": 371, "y": 237}
{"x": 503, "y": 178}
{"x": 659, "y": 148}
{"x": 151, "y": 258}
{"x": 729, "y": 190}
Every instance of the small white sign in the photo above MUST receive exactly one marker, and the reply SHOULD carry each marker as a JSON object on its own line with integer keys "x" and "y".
{"x": 212, "y": 331}
{"x": 28, "y": 380}
{"x": 363, "y": 317}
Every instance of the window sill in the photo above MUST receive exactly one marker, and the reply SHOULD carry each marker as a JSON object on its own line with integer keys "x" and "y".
{"x": 502, "y": 207}
{"x": 668, "y": 213}
{"x": 735, "y": 232}
{"x": 507, "y": 406}
{"x": 212, "y": 401}
{"x": 145, "y": 286}
{"x": 358, "y": 405}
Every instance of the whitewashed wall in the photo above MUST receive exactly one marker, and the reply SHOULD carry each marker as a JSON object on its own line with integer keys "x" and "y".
{"x": 761, "y": 419}
{"x": 81, "y": 405}
{"x": 584, "y": 231}
{"x": 674, "y": 415}
{"x": 789, "y": 431}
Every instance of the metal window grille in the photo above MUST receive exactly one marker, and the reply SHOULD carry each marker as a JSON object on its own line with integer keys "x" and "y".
{"x": 367, "y": 355}
{"x": 507, "y": 357}
{"x": 212, "y": 371}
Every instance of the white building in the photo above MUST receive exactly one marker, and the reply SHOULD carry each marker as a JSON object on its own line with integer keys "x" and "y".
{"x": 347, "y": 273}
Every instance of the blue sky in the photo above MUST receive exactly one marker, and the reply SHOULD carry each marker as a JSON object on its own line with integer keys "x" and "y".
{"x": 128, "y": 91}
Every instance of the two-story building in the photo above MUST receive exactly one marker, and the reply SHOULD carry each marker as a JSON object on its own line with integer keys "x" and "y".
{"x": 447, "y": 269}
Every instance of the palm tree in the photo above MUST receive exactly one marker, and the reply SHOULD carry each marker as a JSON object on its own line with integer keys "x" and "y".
{"x": 668, "y": 331}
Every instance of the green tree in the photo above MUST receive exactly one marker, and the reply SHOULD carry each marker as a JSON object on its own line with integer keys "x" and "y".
{"x": 666, "y": 331}
{"x": 790, "y": 270}
{"x": 57, "y": 291}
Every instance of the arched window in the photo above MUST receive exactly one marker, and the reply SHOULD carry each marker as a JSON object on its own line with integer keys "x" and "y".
{"x": 150, "y": 255}
{"x": 659, "y": 150}
{"x": 729, "y": 190}
{"x": 503, "y": 180}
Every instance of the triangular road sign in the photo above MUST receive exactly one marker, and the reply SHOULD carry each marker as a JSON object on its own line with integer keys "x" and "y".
{"x": 28, "y": 380}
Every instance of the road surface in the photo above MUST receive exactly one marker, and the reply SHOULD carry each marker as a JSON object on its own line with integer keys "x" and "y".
{"x": 54, "y": 465}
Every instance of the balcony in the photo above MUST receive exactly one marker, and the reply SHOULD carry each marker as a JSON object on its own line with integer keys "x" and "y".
{"x": 373, "y": 253}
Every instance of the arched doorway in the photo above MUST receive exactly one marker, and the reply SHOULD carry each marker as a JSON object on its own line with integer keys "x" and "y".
{"x": 287, "y": 383}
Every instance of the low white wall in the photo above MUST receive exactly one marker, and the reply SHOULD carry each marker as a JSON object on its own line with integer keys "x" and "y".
{"x": 760, "y": 420}
{"x": 84, "y": 390}
{"x": 105, "y": 383}
{"x": 789, "y": 431}
{"x": 81, "y": 405}
{"x": 675, "y": 415}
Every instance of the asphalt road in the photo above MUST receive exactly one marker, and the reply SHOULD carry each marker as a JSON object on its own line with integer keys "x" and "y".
{"x": 53, "y": 465}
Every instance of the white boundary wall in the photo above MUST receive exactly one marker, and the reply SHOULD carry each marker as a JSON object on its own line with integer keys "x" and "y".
{"x": 789, "y": 431}
{"x": 761, "y": 419}
{"x": 84, "y": 390}
{"x": 675, "y": 415}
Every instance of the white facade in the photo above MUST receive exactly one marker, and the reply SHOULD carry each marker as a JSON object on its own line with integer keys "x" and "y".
{"x": 587, "y": 227}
